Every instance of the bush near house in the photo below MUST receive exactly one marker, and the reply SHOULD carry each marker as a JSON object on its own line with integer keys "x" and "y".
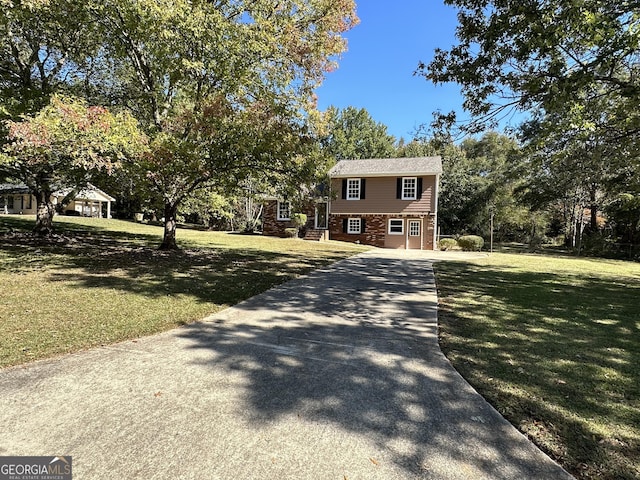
{"x": 298, "y": 219}
{"x": 298, "y": 222}
{"x": 445, "y": 244}
{"x": 291, "y": 232}
{"x": 471, "y": 243}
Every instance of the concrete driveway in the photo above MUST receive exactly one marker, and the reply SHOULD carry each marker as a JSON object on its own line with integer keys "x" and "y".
{"x": 336, "y": 375}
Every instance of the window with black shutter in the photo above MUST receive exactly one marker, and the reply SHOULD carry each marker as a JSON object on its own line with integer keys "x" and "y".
{"x": 354, "y": 189}
{"x": 354, "y": 226}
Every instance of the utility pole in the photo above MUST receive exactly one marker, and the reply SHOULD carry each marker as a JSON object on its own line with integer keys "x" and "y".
{"x": 491, "y": 228}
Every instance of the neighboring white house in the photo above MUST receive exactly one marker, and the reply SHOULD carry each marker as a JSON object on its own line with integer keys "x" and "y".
{"x": 89, "y": 202}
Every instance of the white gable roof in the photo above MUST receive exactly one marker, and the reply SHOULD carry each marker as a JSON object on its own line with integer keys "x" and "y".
{"x": 386, "y": 167}
{"x": 91, "y": 192}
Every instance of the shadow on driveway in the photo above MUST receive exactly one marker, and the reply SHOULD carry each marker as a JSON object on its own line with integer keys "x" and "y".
{"x": 355, "y": 345}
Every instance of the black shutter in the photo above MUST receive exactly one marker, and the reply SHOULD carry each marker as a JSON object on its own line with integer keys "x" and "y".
{"x": 363, "y": 225}
{"x": 399, "y": 188}
{"x": 344, "y": 189}
{"x": 362, "y": 184}
{"x": 419, "y": 195}
{"x": 344, "y": 225}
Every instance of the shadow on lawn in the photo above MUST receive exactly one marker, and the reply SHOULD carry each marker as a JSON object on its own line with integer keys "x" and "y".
{"x": 100, "y": 258}
{"x": 358, "y": 349}
{"x": 557, "y": 353}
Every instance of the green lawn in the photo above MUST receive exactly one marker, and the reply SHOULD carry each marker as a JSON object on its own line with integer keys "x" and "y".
{"x": 554, "y": 344}
{"x": 104, "y": 281}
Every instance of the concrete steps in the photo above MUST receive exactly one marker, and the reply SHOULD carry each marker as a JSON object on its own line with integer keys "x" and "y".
{"x": 314, "y": 235}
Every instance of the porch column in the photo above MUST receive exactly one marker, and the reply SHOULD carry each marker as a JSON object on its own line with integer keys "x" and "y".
{"x": 108, "y": 208}
{"x": 99, "y": 208}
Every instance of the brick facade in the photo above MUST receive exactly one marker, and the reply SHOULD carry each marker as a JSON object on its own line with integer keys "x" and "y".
{"x": 276, "y": 228}
{"x": 374, "y": 229}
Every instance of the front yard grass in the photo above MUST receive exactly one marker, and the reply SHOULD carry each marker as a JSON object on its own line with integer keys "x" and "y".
{"x": 554, "y": 344}
{"x": 104, "y": 281}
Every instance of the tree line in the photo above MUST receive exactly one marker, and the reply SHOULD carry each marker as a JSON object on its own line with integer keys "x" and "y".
{"x": 571, "y": 68}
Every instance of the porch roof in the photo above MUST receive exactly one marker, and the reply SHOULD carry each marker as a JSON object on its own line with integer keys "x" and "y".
{"x": 91, "y": 192}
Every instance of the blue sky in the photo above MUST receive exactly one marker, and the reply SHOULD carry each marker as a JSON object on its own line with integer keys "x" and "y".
{"x": 376, "y": 73}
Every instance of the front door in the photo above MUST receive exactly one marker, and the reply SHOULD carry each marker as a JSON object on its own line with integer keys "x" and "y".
{"x": 322, "y": 215}
{"x": 414, "y": 234}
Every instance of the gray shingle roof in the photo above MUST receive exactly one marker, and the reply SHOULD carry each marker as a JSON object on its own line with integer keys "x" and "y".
{"x": 382, "y": 167}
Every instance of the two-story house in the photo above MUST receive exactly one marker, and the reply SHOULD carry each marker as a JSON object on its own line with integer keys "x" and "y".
{"x": 391, "y": 203}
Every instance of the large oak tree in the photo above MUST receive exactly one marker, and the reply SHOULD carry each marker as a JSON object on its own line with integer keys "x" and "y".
{"x": 225, "y": 87}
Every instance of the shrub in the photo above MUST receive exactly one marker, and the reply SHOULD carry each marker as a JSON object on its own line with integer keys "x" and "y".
{"x": 471, "y": 243}
{"x": 445, "y": 244}
{"x": 291, "y": 232}
{"x": 298, "y": 219}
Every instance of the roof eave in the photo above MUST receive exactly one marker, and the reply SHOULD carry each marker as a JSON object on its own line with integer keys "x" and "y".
{"x": 385, "y": 174}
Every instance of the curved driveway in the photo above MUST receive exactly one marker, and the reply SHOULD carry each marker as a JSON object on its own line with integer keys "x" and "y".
{"x": 336, "y": 375}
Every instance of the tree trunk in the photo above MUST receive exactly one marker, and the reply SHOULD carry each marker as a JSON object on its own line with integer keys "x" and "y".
{"x": 169, "y": 239}
{"x": 593, "y": 223}
{"x": 572, "y": 226}
{"x": 44, "y": 214}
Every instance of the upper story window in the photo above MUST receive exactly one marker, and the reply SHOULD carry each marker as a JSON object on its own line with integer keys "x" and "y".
{"x": 353, "y": 188}
{"x": 409, "y": 188}
{"x": 284, "y": 210}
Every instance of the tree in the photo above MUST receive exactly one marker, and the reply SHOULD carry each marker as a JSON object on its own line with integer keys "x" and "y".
{"x": 573, "y": 66}
{"x": 208, "y": 208}
{"x": 224, "y": 89}
{"x": 62, "y": 146}
{"x": 417, "y": 148}
{"x": 540, "y": 54}
{"x": 352, "y": 133}
{"x": 576, "y": 161}
{"x": 43, "y": 45}
{"x": 476, "y": 182}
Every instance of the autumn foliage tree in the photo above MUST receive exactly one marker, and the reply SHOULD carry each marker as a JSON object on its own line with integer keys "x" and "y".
{"x": 224, "y": 89}
{"x": 63, "y": 145}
